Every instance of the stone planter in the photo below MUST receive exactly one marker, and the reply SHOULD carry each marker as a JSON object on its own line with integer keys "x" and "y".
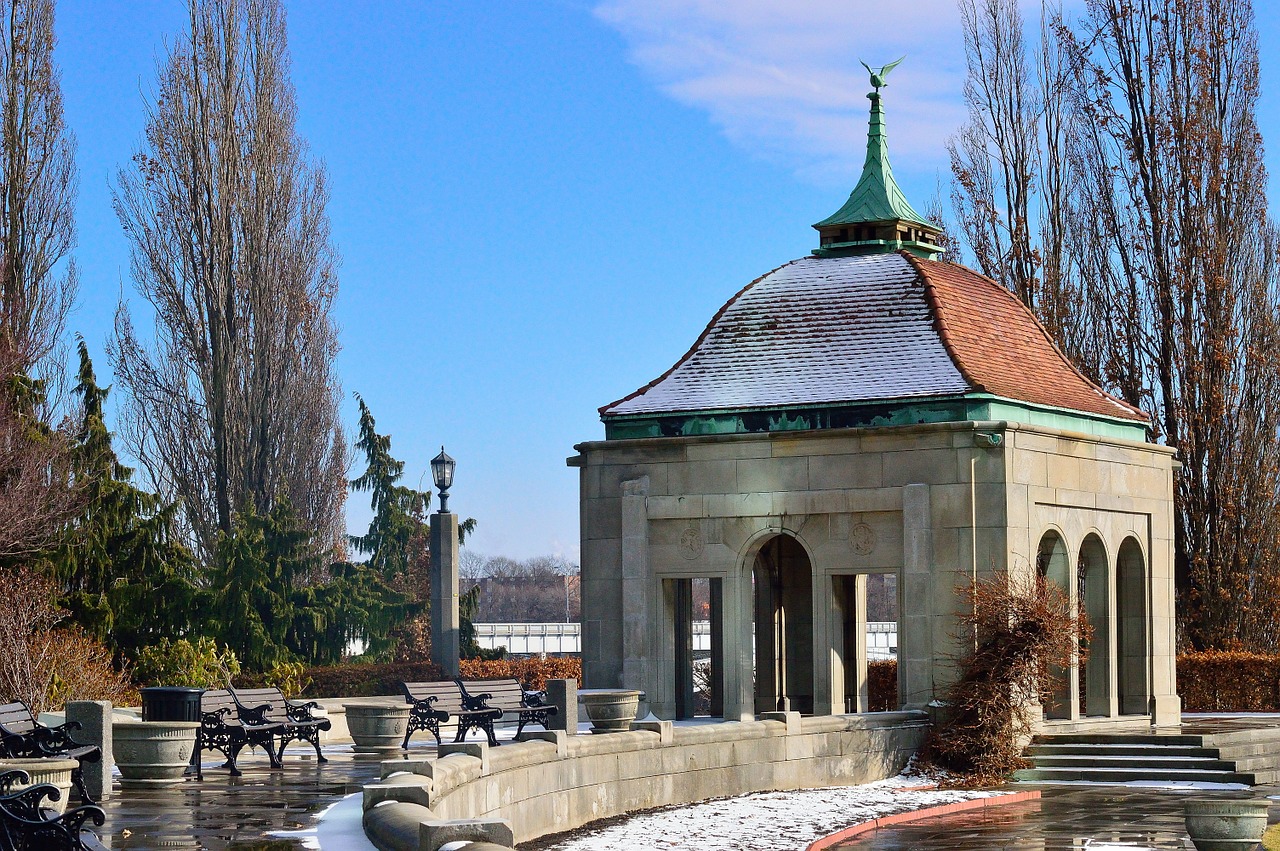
{"x": 153, "y": 753}
{"x": 377, "y": 728}
{"x": 1226, "y": 824}
{"x": 54, "y": 771}
{"x": 610, "y": 710}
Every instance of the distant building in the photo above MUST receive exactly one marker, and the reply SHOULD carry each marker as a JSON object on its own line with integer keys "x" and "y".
{"x": 869, "y": 415}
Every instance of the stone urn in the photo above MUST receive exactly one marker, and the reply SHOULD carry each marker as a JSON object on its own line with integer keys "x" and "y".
{"x": 377, "y": 728}
{"x": 153, "y": 753}
{"x": 1226, "y": 824}
{"x": 53, "y": 771}
{"x": 610, "y": 710}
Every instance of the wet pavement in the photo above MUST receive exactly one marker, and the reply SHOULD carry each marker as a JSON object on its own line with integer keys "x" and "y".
{"x": 241, "y": 813}
{"x": 1066, "y": 818}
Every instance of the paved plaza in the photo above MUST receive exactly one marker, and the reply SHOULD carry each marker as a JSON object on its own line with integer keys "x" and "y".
{"x": 259, "y": 810}
{"x": 1066, "y": 818}
{"x": 242, "y": 813}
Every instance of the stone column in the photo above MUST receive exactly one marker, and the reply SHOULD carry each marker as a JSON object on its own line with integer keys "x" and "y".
{"x": 445, "y": 638}
{"x": 95, "y": 729}
{"x": 826, "y": 660}
{"x": 637, "y": 622}
{"x": 563, "y": 694}
{"x": 915, "y": 601}
{"x": 739, "y": 650}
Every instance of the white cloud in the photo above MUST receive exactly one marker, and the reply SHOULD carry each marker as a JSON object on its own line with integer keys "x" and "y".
{"x": 783, "y": 80}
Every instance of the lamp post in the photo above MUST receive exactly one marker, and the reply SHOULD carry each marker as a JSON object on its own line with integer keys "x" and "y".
{"x": 445, "y": 635}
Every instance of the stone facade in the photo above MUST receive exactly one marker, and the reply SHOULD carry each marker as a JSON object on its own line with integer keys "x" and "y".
{"x": 824, "y": 509}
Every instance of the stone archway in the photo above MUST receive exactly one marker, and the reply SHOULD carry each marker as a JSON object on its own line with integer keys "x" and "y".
{"x": 1134, "y": 630}
{"x": 782, "y": 575}
{"x": 1053, "y": 565}
{"x": 1093, "y": 589}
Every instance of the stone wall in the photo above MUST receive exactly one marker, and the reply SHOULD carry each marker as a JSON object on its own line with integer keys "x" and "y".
{"x": 552, "y": 782}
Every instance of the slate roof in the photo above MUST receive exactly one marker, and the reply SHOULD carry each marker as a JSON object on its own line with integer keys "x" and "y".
{"x": 847, "y": 330}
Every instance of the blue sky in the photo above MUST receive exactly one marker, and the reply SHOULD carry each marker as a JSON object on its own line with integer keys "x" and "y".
{"x": 540, "y": 204}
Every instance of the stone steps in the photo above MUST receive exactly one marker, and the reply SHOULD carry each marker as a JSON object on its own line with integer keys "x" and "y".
{"x": 1126, "y": 758}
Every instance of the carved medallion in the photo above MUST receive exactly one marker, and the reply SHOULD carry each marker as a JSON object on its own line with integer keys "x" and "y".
{"x": 691, "y": 543}
{"x": 864, "y": 539}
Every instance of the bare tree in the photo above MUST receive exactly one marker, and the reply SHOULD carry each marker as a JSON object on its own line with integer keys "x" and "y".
{"x": 37, "y": 497}
{"x": 1156, "y": 257}
{"x": 38, "y": 170}
{"x": 235, "y": 402}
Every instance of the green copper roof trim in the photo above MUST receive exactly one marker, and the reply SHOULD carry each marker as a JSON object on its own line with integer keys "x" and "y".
{"x": 877, "y": 197}
{"x": 923, "y": 250}
{"x": 977, "y": 407}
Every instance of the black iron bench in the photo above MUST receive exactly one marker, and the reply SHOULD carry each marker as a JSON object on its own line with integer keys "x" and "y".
{"x": 432, "y": 704}
{"x": 511, "y": 698}
{"x": 27, "y": 825}
{"x": 270, "y": 706}
{"x": 223, "y": 729}
{"x": 23, "y": 737}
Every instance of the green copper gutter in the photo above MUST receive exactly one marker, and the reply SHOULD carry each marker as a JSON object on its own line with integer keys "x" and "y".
{"x": 975, "y": 407}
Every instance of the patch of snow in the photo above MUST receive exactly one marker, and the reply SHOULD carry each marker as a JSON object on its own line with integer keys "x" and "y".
{"x": 338, "y": 828}
{"x": 769, "y": 821}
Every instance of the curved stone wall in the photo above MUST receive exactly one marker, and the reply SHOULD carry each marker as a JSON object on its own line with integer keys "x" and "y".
{"x": 552, "y": 782}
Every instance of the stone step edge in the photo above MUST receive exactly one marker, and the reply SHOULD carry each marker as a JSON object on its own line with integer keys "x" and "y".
{"x": 915, "y": 815}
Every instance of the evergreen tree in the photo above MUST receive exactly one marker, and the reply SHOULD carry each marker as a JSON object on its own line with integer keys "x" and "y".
{"x": 397, "y": 510}
{"x": 125, "y": 574}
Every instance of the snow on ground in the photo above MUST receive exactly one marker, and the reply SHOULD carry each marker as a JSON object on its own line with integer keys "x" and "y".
{"x": 767, "y": 821}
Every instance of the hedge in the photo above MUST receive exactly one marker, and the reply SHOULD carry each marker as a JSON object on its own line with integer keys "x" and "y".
{"x": 1221, "y": 681}
{"x": 532, "y": 673}
{"x": 1212, "y": 681}
{"x": 882, "y": 685}
{"x": 362, "y": 679}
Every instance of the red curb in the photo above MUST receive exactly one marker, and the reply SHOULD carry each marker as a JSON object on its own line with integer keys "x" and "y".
{"x": 916, "y": 815}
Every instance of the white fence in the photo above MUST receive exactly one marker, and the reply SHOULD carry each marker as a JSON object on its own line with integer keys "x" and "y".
{"x": 556, "y": 639}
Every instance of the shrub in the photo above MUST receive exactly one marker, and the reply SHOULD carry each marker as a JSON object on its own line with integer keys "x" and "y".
{"x": 44, "y": 665}
{"x": 532, "y": 673}
{"x": 184, "y": 663}
{"x": 364, "y": 679}
{"x": 1026, "y": 629}
{"x": 882, "y": 685}
{"x": 290, "y": 677}
{"x": 1229, "y": 681}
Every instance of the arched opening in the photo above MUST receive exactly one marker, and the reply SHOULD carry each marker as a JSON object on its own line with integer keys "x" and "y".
{"x": 1052, "y": 565}
{"x": 1133, "y": 633}
{"x": 783, "y": 585}
{"x": 1094, "y": 593}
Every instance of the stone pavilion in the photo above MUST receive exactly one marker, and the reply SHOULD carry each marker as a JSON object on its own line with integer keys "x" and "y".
{"x": 870, "y": 426}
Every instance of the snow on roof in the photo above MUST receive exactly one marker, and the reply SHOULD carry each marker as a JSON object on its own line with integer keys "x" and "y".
{"x": 849, "y": 330}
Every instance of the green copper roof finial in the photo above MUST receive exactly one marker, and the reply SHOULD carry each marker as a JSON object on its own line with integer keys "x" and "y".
{"x": 877, "y": 218}
{"x": 877, "y": 77}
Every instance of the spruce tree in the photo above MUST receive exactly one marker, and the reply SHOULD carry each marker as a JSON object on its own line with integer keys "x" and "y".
{"x": 124, "y": 571}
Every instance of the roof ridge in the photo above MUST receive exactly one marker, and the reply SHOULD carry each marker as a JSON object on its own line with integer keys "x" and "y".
{"x": 602, "y": 410}
{"x": 939, "y": 321}
{"x": 1004, "y": 291}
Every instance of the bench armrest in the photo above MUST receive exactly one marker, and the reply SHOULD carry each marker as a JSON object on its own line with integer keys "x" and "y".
{"x": 300, "y": 710}
{"x": 478, "y": 701}
{"x": 535, "y": 698}
{"x": 254, "y": 714}
{"x": 424, "y": 703}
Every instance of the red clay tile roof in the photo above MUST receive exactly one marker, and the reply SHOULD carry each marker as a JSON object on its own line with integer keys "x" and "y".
{"x": 1002, "y": 349}
{"x": 848, "y": 330}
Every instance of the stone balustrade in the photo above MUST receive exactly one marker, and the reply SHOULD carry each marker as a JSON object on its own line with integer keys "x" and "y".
{"x": 551, "y": 781}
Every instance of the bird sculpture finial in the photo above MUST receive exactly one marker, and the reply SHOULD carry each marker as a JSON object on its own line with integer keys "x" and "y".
{"x": 877, "y": 76}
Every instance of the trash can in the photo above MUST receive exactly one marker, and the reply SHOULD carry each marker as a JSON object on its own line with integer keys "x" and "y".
{"x": 171, "y": 703}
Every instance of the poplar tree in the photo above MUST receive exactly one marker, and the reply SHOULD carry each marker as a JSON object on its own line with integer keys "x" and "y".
{"x": 233, "y": 400}
{"x": 1113, "y": 177}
